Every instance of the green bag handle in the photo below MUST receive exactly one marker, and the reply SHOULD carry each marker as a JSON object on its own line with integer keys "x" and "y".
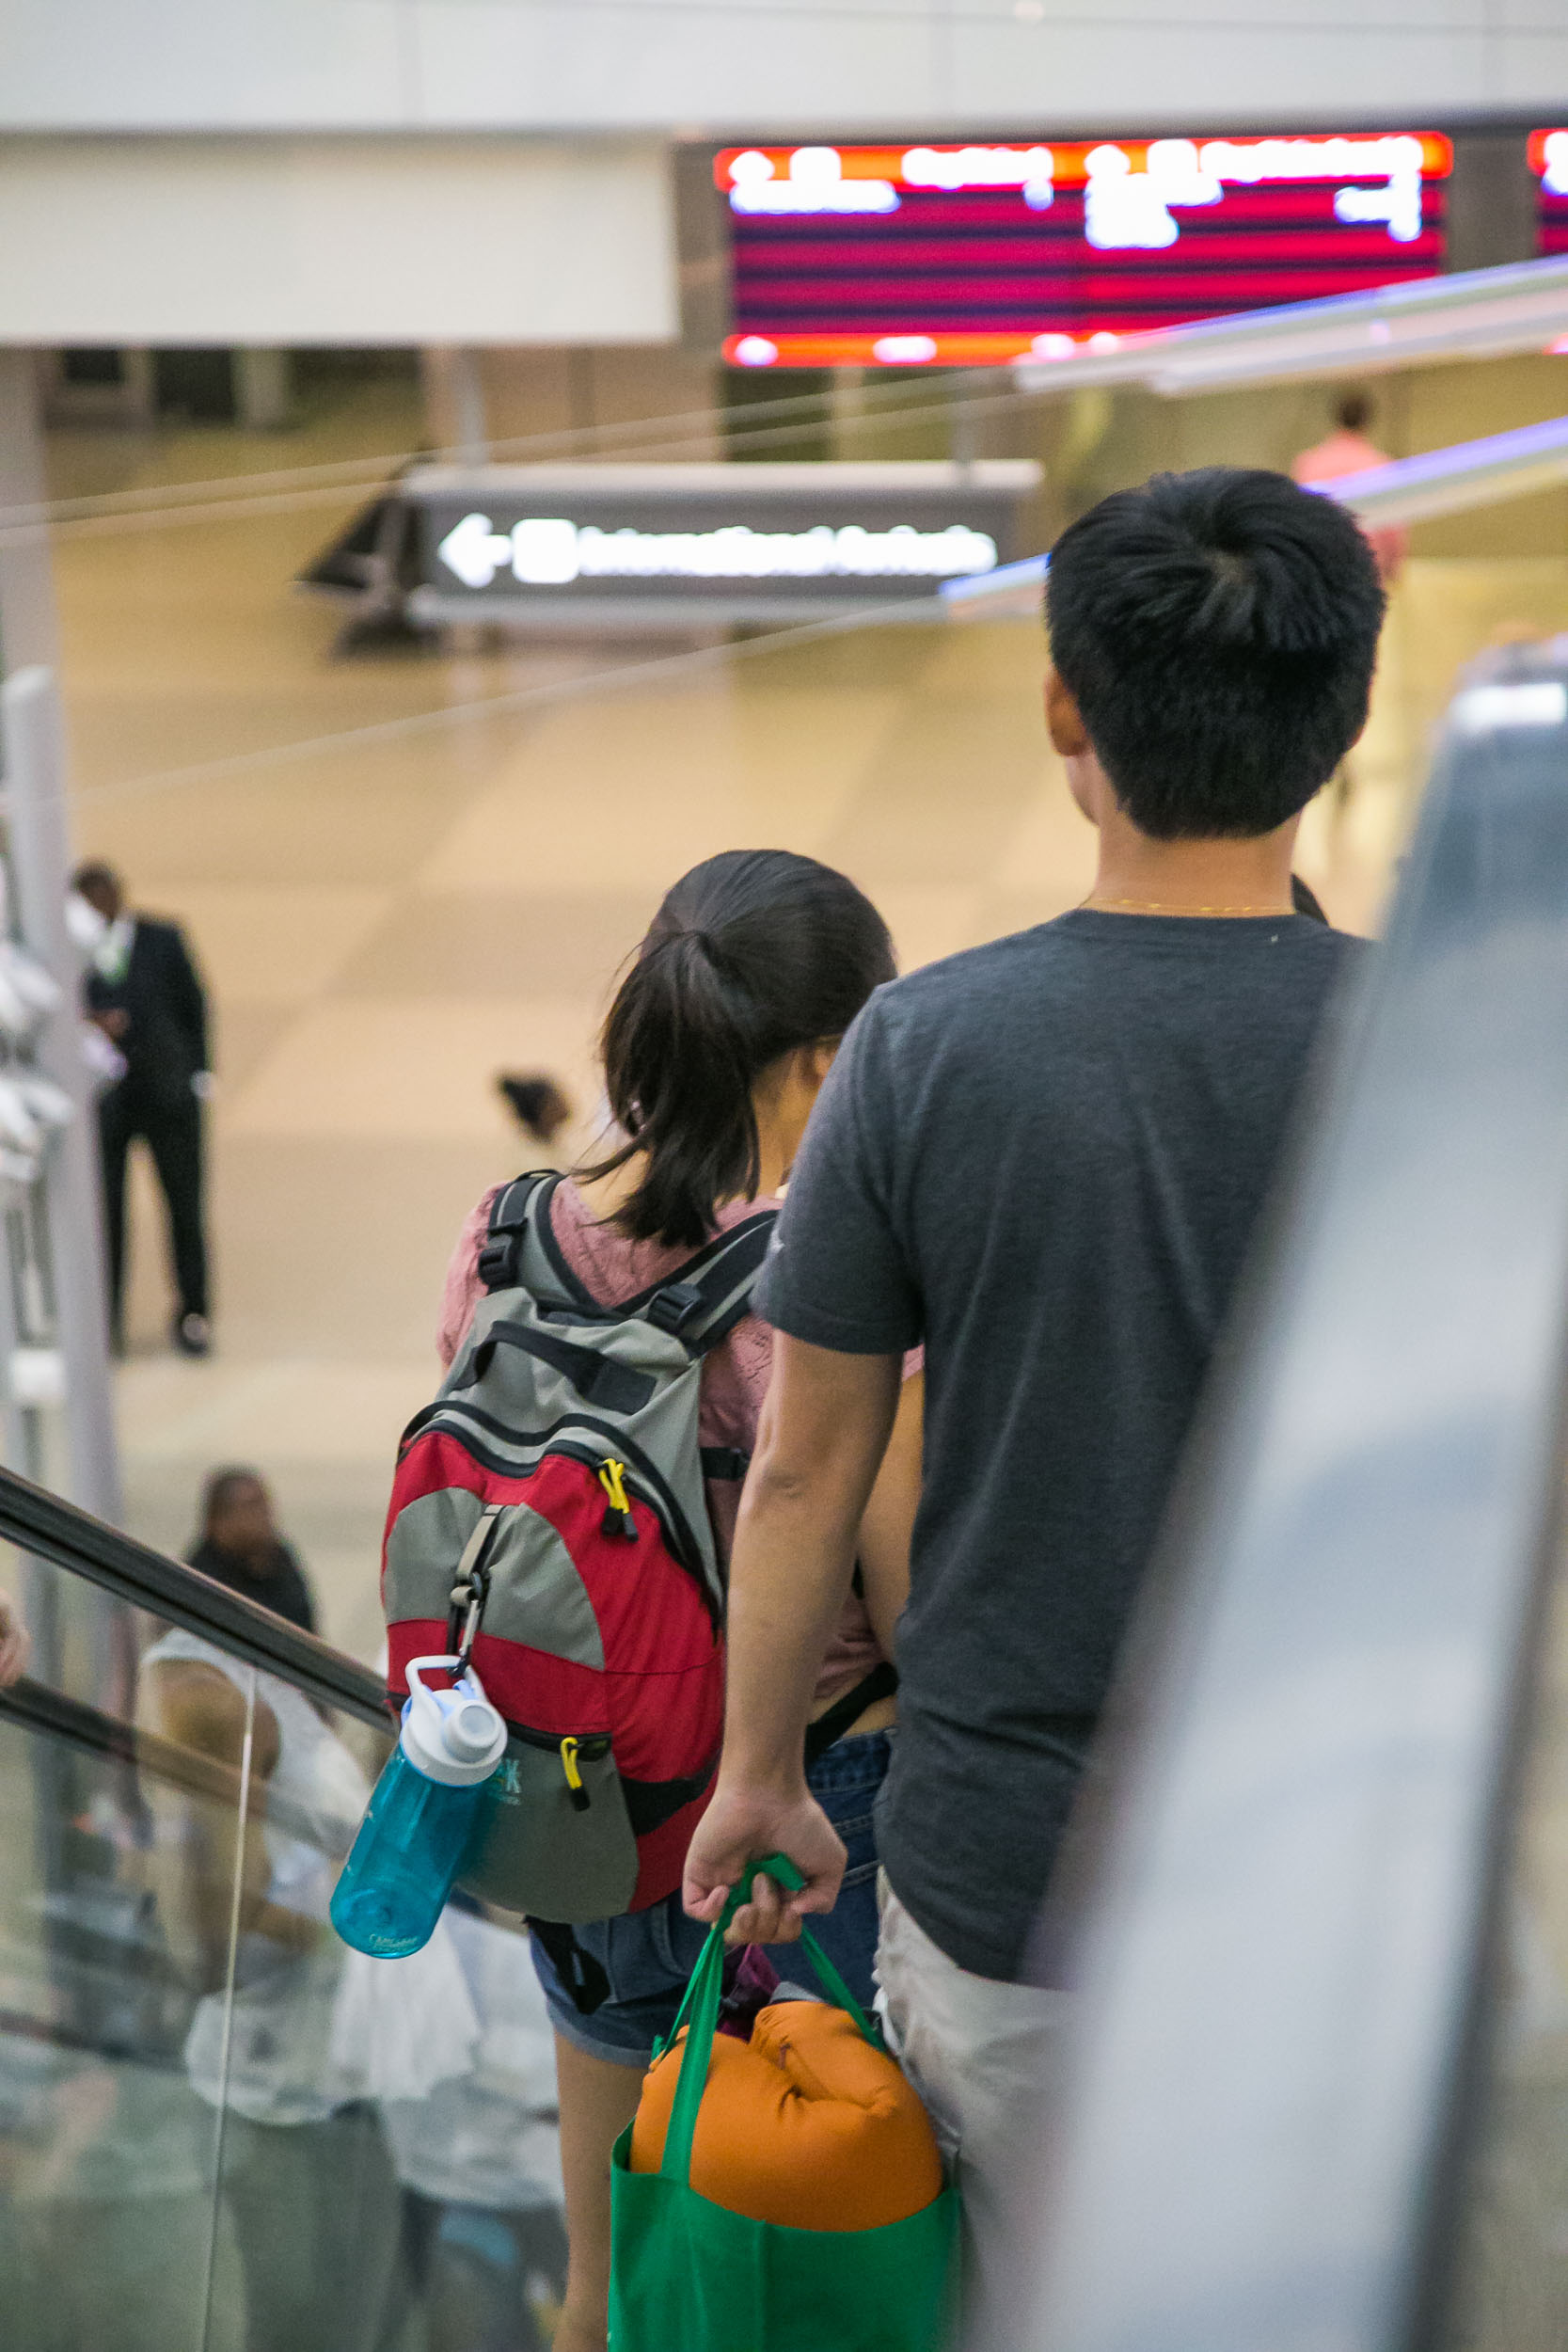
{"x": 702, "y": 1998}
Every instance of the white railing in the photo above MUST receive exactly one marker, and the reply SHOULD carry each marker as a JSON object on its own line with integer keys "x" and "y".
{"x": 1475, "y": 315}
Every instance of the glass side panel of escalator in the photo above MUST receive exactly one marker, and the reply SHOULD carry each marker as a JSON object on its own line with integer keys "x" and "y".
{"x": 219, "y": 2130}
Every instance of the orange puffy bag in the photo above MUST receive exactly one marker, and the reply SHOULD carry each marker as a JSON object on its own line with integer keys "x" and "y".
{"x": 783, "y": 2193}
{"x": 806, "y": 2125}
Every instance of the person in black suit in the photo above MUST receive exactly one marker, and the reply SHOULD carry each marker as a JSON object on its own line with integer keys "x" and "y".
{"x": 144, "y": 993}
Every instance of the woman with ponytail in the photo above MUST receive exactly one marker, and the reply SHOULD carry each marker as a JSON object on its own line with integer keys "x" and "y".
{"x": 716, "y": 1045}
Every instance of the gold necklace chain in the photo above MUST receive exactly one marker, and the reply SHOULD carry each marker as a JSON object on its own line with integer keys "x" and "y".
{"x": 1153, "y": 906}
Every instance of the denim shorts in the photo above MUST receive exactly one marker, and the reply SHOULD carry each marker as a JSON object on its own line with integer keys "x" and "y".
{"x": 648, "y": 1955}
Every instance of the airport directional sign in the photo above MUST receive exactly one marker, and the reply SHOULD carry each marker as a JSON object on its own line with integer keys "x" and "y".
{"x": 658, "y": 546}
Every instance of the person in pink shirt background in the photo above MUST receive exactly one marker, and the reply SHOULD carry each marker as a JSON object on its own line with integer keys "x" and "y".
{"x": 1349, "y": 451}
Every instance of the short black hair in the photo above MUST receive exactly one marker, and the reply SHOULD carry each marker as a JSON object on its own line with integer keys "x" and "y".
{"x": 1353, "y": 411}
{"x": 1218, "y": 631}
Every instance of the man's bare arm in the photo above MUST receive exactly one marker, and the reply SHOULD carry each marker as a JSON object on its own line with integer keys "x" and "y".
{"x": 883, "y": 1547}
{"x": 823, "y": 1432}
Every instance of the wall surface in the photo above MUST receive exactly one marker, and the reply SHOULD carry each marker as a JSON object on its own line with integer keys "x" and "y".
{"x": 334, "y": 240}
{"x": 701, "y": 67}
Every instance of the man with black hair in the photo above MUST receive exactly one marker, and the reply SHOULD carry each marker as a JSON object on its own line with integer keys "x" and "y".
{"x": 1044, "y": 1159}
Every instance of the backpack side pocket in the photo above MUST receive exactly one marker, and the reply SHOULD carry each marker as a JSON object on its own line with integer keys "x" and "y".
{"x": 558, "y": 1840}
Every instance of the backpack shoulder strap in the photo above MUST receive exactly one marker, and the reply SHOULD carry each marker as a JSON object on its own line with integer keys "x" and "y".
{"x": 701, "y": 1306}
{"x": 520, "y": 1250}
{"x": 713, "y": 1291}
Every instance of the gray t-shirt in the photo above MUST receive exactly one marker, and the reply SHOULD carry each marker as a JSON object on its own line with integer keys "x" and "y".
{"x": 1044, "y": 1158}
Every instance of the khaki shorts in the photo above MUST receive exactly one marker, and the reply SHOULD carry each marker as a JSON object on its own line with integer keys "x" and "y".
{"x": 986, "y": 2058}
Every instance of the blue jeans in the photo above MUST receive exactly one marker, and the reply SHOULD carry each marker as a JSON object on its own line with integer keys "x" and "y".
{"x": 648, "y": 1955}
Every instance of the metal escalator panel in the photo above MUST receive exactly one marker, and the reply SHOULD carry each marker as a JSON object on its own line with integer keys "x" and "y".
{"x": 1286, "y": 1967}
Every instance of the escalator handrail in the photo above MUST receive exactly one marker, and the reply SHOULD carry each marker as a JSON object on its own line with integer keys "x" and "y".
{"x": 52, "y": 1529}
{"x": 76, "y": 1723}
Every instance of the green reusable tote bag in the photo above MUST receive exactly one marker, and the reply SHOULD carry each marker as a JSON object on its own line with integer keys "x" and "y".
{"x": 689, "y": 2276}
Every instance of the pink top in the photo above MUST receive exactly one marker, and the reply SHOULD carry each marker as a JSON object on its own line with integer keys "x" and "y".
{"x": 733, "y": 1380}
{"x": 1352, "y": 452}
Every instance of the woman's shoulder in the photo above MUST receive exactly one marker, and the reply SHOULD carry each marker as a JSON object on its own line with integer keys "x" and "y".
{"x": 460, "y": 1291}
{"x": 611, "y": 1267}
{"x": 608, "y": 1262}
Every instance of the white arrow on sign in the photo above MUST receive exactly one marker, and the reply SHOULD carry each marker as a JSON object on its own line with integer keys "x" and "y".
{"x": 474, "y": 551}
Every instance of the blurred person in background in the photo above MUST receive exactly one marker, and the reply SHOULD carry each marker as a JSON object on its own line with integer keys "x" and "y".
{"x": 478, "y": 2159}
{"x": 1347, "y": 449}
{"x": 240, "y": 1546}
{"x": 541, "y": 1107}
{"x": 306, "y": 2177}
{"x": 1045, "y": 1159}
{"x": 143, "y": 991}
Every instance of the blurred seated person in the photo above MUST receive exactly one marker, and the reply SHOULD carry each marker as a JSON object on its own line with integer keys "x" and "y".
{"x": 240, "y": 1547}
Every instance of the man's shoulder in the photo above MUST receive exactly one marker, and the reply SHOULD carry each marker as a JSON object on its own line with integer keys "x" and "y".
{"x": 1320, "y": 940}
{"x": 971, "y": 978}
{"x": 979, "y": 996}
{"x": 157, "y": 931}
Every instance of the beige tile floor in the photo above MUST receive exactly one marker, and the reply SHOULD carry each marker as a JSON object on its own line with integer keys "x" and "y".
{"x": 388, "y": 919}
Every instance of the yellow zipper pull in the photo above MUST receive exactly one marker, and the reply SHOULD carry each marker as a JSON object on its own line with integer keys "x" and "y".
{"x": 617, "y": 1519}
{"x": 574, "y": 1775}
{"x": 612, "y": 1479}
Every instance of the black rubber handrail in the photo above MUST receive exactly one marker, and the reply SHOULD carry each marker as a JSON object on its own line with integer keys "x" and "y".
{"x": 55, "y": 1715}
{"x": 51, "y": 1529}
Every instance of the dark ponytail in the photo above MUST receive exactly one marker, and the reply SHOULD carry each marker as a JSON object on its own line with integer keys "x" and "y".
{"x": 751, "y": 955}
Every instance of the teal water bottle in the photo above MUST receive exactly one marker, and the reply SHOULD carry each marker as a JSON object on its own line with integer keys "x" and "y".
{"x": 422, "y": 1815}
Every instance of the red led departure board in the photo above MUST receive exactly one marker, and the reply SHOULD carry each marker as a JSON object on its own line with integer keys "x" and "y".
{"x": 1549, "y": 160}
{"x": 981, "y": 254}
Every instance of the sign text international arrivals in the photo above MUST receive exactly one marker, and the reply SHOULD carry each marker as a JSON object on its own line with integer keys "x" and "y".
{"x": 732, "y": 540}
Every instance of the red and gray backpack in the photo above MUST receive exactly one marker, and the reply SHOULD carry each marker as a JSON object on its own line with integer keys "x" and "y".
{"x": 548, "y": 1519}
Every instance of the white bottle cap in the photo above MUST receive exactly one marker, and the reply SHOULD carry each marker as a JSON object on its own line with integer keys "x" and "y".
{"x": 452, "y": 1733}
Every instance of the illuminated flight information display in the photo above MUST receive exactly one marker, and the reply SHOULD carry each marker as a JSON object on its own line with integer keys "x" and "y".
{"x": 975, "y": 255}
{"x": 1549, "y": 160}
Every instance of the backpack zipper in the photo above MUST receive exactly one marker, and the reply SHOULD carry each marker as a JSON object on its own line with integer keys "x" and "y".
{"x": 645, "y": 1480}
{"x": 617, "y": 1519}
{"x": 574, "y": 1778}
{"x": 575, "y": 1750}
